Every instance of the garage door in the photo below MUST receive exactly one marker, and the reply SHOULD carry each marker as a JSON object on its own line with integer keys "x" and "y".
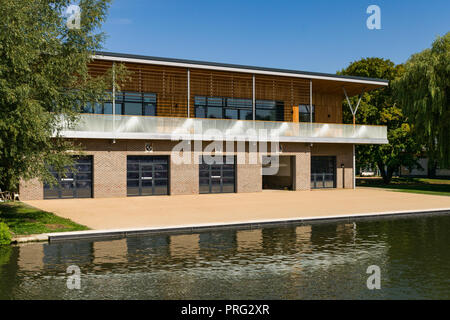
{"x": 77, "y": 184}
{"x": 323, "y": 172}
{"x": 218, "y": 177}
{"x": 147, "y": 175}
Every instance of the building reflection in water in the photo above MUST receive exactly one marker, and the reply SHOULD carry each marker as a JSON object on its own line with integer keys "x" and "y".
{"x": 78, "y": 253}
{"x": 220, "y": 241}
{"x": 249, "y": 239}
{"x": 304, "y": 238}
{"x": 31, "y": 257}
{"x": 148, "y": 249}
{"x": 346, "y": 231}
{"x": 114, "y": 251}
{"x": 184, "y": 246}
{"x": 159, "y": 249}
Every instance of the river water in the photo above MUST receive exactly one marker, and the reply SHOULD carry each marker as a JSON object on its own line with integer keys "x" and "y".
{"x": 317, "y": 261}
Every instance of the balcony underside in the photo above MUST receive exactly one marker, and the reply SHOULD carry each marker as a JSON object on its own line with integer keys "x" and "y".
{"x": 163, "y": 128}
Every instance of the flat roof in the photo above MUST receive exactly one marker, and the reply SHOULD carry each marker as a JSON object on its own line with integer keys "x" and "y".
{"x": 133, "y": 58}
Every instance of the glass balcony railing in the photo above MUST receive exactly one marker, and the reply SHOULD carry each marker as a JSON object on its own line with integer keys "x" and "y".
{"x": 144, "y": 127}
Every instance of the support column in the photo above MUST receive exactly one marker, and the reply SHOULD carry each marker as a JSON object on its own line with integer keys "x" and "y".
{"x": 350, "y": 104}
{"x": 114, "y": 97}
{"x": 188, "y": 92}
{"x": 253, "y": 99}
{"x": 354, "y": 168}
{"x": 310, "y": 102}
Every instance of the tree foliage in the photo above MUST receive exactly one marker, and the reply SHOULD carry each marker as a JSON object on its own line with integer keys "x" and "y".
{"x": 423, "y": 92}
{"x": 43, "y": 75}
{"x": 379, "y": 108}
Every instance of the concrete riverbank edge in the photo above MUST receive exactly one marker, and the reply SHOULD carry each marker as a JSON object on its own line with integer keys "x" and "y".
{"x": 191, "y": 228}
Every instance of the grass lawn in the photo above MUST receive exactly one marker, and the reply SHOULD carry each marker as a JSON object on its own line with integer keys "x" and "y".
{"x": 24, "y": 220}
{"x": 414, "y": 185}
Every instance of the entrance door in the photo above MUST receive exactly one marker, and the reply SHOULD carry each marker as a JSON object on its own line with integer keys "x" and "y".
{"x": 77, "y": 184}
{"x": 147, "y": 175}
{"x": 323, "y": 172}
{"x": 278, "y": 172}
{"x": 218, "y": 177}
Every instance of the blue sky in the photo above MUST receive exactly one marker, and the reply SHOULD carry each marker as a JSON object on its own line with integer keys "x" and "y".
{"x": 319, "y": 35}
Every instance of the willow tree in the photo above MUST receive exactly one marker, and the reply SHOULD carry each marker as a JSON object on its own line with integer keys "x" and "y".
{"x": 378, "y": 107}
{"x": 423, "y": 92}
{"x": 43, "y": 75}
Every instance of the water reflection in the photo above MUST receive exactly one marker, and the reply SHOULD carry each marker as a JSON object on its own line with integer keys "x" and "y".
{"x": 325, "y": 260}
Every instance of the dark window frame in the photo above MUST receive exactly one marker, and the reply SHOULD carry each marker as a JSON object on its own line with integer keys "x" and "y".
{"x": 305, "y": 116}
{"x": 123, "y": 97}
{"x": 153, "y": 161}
{"x": 221, "y": 167}
{"x": 318, "y": 178}
{"x": 241, "y": 105}
{"x": 75, "y": 175}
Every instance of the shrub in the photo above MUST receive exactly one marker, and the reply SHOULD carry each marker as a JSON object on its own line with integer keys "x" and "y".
{"x": 5, "y": 254}
{"x": 5, "y": 234}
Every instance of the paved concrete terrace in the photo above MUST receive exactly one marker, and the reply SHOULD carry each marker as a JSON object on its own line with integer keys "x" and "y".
{"x": 167, "y": 211}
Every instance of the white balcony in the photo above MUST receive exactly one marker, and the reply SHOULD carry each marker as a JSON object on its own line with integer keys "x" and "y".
{"x": 91, "y": 126}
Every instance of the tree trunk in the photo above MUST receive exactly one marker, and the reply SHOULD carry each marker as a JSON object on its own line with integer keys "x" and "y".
{"x": 386, "y": 172}
{"x": 432, "y": 167}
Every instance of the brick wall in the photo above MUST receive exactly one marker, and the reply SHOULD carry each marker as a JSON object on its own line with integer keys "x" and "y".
{"x": 31, "y": 190}
{"x": 109, "y": 167}
{"x": 248, "y": 176}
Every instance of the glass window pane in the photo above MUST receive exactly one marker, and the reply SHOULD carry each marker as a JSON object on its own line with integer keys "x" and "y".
{"x": 245, "y": 115}
{"x": 266, "y": 115}
{"x": 98, "y": 108}
{"x": 265, "y": 104}
{"x": 304, "y": 113}
{"x": 132, "y": 166}
{"x": 149, "y": 109}
{"x": 162, "y": 174}
{"x": 132, "y": 108}
{"x": 200, "y": 100}
{"x": 200, "y": 112}
{"x": 231, "y": 114}
{"x": 215, "y": 102}
{"x": 132, "y": 96}
{"x": 239, "y": 103}
{"x": 214, "y": 112}
{"x": 132, "y": 175}
{"x": 118, "y": 108}
{"x": 160, "y": 167}
{"x": 107, "y": 108}
{"x": 87, "y": 108}
{"x": 149, "y": 97}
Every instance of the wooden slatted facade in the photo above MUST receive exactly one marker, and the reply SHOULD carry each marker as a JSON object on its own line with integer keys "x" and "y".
{"x": 170, "y": 84}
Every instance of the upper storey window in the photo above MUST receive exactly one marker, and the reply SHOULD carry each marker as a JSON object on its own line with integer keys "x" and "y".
{"x": 304, "y": 111}
{"x": 269, "y": 110}
{"x": 127, "y": 103}
{"x": 239, "y": 109}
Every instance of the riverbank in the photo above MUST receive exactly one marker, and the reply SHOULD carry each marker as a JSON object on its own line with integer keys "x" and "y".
{"x": 28, "y": 223}
{"x": 439, "y": 187}
{"x": 148, "y": 214}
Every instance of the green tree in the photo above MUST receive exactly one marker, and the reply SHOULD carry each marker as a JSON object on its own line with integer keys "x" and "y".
{"x": 43, "y": 75}
{"x": 423, "y": 92}
{"x": 379, "y": 108}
